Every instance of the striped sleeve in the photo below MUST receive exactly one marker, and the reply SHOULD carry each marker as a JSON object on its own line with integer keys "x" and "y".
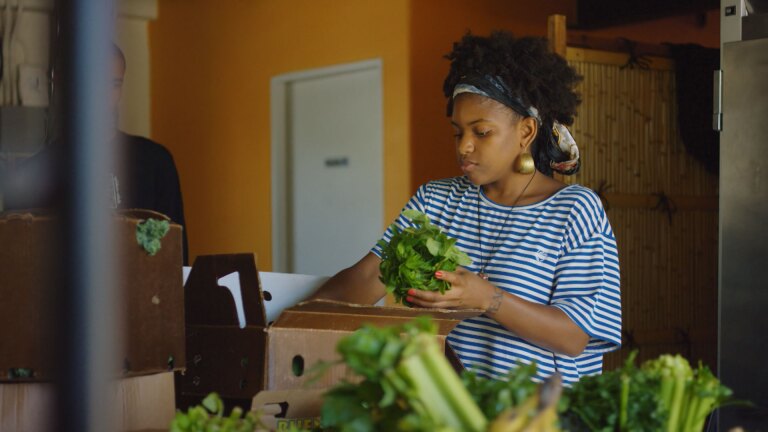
{"x": 587, "y": 281}
{"x": 417, "y": 202}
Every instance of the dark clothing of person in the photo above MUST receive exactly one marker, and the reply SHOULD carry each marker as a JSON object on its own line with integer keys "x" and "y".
{"x": 152, "y": 181}
{"x": 147, "y": 179}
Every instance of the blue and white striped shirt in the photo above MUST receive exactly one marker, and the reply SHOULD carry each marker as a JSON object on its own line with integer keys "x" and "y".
{"x": 559, "y": 252}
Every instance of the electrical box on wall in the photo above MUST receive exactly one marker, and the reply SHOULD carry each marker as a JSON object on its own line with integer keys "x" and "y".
{"x": 22, "y": 129}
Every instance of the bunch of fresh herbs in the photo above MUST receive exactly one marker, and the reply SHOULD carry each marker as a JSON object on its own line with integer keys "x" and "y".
{"x": 414, "y": 254}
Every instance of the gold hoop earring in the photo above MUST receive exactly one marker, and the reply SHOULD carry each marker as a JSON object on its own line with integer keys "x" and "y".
{"x": 524, "y": 163}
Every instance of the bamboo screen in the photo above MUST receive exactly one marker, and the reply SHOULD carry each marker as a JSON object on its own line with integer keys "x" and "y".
{"x": 631, "y": 152}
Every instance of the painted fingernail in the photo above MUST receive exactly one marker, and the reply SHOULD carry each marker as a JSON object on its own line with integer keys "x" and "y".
{"x": 411, "y": 291}
{"x": 409, "y": 299}
{"x": 439, "y": 274}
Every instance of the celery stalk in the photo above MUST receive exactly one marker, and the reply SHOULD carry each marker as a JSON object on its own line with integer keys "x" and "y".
{"x": 689, "y": 401}
{"x": 625, "y": 381}
{"x": 692, "y": 411}
{"x": 451, "y": 386}
{"x": 682, "y": 373}
{"x": 700, "y": 415}
{"x": 665, "y": 392}
{"x": 430, "y": 399}
{"x": 676, "y": 406}
{"x": 709, "y": 393}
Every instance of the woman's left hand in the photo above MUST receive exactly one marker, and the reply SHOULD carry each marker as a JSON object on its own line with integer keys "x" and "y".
{"x": 544, "y": 325}
{"x": 468, "y": 291}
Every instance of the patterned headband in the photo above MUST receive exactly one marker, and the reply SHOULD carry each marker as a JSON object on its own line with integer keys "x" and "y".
{"x": 493, "y": 87}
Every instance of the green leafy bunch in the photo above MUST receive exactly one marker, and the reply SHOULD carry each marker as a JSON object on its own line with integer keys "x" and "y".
{"x": 620, "y": 400}
{"x": 664, "y": 394}
{"x": 408, "y": 385}
{"x": 373, "y": 353}
{"x": 209, "y": 417}
{"x": 686, "y": 395}
{"x": 496, "y": 395}
{"x": 414, "y": 254}
{"x": 149, "y": 233}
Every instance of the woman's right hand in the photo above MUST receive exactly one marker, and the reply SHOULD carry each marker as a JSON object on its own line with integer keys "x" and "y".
{"x": 468, "y": 291}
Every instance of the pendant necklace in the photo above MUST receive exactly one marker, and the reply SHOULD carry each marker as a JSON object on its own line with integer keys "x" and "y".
{"x": 496, "y": 244}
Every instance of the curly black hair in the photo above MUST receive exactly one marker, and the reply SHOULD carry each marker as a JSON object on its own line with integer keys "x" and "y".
{"x": 537, "y": 76}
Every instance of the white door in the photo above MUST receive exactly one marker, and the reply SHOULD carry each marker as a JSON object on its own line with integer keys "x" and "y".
{"x": 332, "y": 170}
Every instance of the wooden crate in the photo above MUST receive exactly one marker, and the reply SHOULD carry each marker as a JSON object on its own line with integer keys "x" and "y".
{"x": 627, "y": 135}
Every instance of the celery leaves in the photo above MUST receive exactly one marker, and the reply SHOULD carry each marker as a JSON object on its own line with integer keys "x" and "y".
{"x": 209, "y": 417}
{"x": 496, "y": 395}
{"x": 408, "y": 384}
{"x": 665, "y": 394}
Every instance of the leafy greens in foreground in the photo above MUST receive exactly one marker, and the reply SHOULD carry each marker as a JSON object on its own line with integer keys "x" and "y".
{"x": 414, "y": 254}
{"x": 664, "y": 394}
{"x": 209, "y": 417}
{"x": 408, "y": 385}
{"x": 494, "y": 396}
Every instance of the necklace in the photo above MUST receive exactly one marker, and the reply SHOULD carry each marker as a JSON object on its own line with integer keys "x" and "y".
{"x": 496, "y": 244}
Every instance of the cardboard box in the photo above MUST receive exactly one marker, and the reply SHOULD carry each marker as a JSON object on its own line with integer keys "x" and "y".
{"x": 308, "y": 333}
{"x": 225, "y": 332}
{"x": 143, "y": 402}
{"x": 234, "y": 351}
{"x": 151, "y": 287}
{"x": 282, "y": 410}
{"x": 25, "y": 283}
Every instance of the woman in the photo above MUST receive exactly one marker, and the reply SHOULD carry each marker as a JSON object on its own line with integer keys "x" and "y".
{"x": 545, "y": 265}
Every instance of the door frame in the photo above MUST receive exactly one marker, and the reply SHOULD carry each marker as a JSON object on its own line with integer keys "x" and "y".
{"x": 279, "y": 88}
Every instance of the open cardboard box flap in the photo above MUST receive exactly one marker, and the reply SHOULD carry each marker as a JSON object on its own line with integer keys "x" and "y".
{"x": 340, "y": 316}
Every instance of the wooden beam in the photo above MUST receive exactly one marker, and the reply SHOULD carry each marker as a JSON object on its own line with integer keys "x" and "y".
{"x": 646, "y": 201}
{"x": 644, "y": 337}
{"x": 556, "y": 34}
{"x": 596, "y": 14}
{"x": 578, "y": 39}
{"x": 615, "y": 58}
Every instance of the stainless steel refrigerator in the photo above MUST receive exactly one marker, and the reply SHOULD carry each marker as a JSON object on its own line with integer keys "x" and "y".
{"x": 741, "y": 113}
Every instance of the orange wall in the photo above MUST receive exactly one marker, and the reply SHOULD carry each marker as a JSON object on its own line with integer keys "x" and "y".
{"x": 211, "y": 64}
{"x": 436, "y": 24}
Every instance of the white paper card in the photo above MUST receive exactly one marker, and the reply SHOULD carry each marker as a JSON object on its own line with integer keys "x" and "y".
{"x": 285, "y": 290}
